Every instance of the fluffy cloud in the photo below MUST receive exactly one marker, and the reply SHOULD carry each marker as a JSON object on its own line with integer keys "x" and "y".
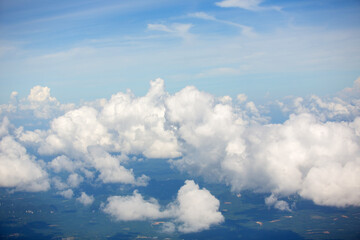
{"x": 58, "y": 184}
{"x": 62, "y": 163}
{"x": 278, "y": 204}
{"x": 74, "y": 132}
{"x": 85, "y": 199}
{"x": 139, "y": 123}
{"x": 129, "y": 208}
{"x": 344, "y": 106}
{"x": 124, "y": 123}
{"x": 303, "y": 156}
{"x": 333, "y": 109}
{"x": 194, "y": 209}
{"x": 110, "y": 169}
{"x": 67, "y": 193}
{"x": 18, "y": 169}
{"x": 74, "y": 180}
{"x": 38, "y": 105}
{"x": 83, "y": 137}
{"x": 5, "y": 123}
{"x": 43, "y": 104}
{"x": 222, "y": 143}
{"x": 204, "y": 127}
{"x": 351, "y": 93}
{"x": 314, "y": 153}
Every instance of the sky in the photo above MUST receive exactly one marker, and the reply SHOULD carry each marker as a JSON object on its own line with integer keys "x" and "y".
{"x": 257, "y": 95}
{"x": 85, "y": 50}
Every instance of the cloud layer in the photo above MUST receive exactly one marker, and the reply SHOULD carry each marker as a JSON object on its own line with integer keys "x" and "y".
{"x": 314, "y": 153}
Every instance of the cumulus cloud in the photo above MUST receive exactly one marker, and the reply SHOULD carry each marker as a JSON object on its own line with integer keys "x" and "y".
{"x": 278, "y": 204}
{"x": 74, "y": 180}
{"x": 61, "y": 163}
{"x": 193, "y": 210}
{"x": 40, "y": 94}
{"x": 124, "y": 123}
{"x": 351, "y": 92}
{"x": 20, "y": 170}
{"x": 333, "y": 109}
{"x": 42, "y": 104}
{"x": 139, "y": 123}
{"x": 129, "y": 208}
{"x": 223, "y": 143}
{"x": 85, "y": 199}
{"x": 5, "y": 124}
{"x": 314, "y": 153}
{"x": 58, "y": 184}
{"x": 67, "y": 193}
{"x": 60, "y": 138}
{"x": 110, "y": 169}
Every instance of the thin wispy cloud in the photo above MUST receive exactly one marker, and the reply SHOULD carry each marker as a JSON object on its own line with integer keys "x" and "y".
{"x": 176, "y": 29}
{"x": 246, "y": 30}
{"x": 252, "y": 5}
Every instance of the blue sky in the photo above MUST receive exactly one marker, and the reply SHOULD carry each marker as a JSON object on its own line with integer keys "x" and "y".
{"x": 84, "y": 50}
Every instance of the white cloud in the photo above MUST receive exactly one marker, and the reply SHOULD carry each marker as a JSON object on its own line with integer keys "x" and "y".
{"x": 176, "y": 29}
{"x": 58, "y": 184}
{"x": 74, "y": 180}
{"x": 222, "y": 71}
{"x": 351, "y": 92}
{"x": 278, "y": 204}
{"x": 18, "y": 169}
{"x": 228, "y": 144}
{"x": 252, "y": 5}
{"x": 76, "y": 123}
{"x": 5, "y": 123}
{"x": 67, "y": 193}
{"x": 168, "y": 227}
{"x": 124, "y": 123}
{"x": 194, "y": 209}
{"x": 315, "y": 153}
{"x": 110, "y": 169}
{"x": 85, "y": 199}
{"x": 338, "y": 108}
{"x": 241, "y": 97}
{"x": 202, "y": 15}
{"x": 43, "y": 104}
{"x": 246, "y": 30}
{"x": 62, "y": 163}
{"x": 139, "y": 123}
{"x": 40, "y": 94}
{"x": 130, "y": 208}
{"x": 39, "y": 104}
{"x": 334, "y": 184}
